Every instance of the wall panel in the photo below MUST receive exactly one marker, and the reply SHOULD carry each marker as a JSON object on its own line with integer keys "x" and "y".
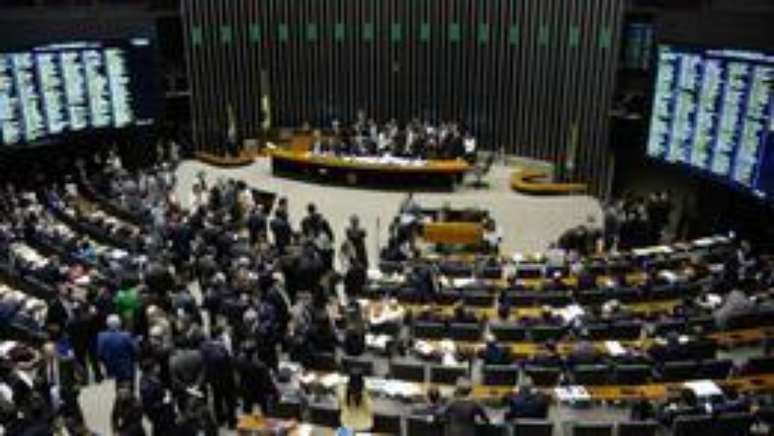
{"x": 519, "y": 73}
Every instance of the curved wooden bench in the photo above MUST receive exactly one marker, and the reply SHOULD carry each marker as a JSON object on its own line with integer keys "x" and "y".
{"x": 531, "y": 181}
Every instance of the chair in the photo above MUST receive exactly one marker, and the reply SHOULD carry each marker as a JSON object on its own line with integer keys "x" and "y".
{"x": 287, "y": 408}
{"x": 626, "y": 330}
{"x": 323, "y": 362}
{"x": 411, "y": 371}
{"x": 759, "y": 365}
{"x": 734, "y": 424}
{"x": 716, "y": 369}
{"x": 481, "y": 169}
{"x": 429, "y": 330}
{"x": 592, "y": 375}
{"x": 508, "y": 332}
{"x": 598, "y": 332}
{"x": 592, "y": 429}
{"x": 422, "y": 426}
{"x": 679, "y": 371}
{"x": 533, "y": 427}
{"x": 545, "y": 333}
{"x": 465, "y": 332}
{"x": 387, "y": 424}
{"x": 365, "y": 366}
{"x": 478, "y": 298}
{"x": 447, "y": 375}
{"x": 325, "y": 415}
{"x": 500, "y": 375}
{"x": 490, "y": 429}
{"x": 637, "y": 428}
{"x": 543, "y": 376}
{"x": 692, "y": 425}
{"x": 390, "y": 267}
{"x": 591, "y": 297}
{"x": 635, "y": 374}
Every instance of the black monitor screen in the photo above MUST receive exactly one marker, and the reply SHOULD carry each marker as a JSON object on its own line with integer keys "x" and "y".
{"x": 57, "y": 89}
{"x": 713, "y": 110}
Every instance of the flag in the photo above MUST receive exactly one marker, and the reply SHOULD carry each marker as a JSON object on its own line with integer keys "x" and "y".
{"x": 232, "y": 125}
{"x": 266, "y": 109}
{"x": 572, "y": 149}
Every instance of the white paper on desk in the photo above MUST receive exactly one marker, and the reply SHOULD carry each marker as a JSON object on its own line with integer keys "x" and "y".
{"x": 329, "y": 381}
{"x": 375, "y": 274}
{"x": 82, "y": 280}
{"x": 569, "y": 313}
{"x": 377, "y": 341}
{"x": 423, "y": 348}
{"x": 703, "y": 388}
{"x": 290, "y": 366}
{"x": 307, "y": 378}
{"x": 463, "y": 282}
{"x": 304, "y": 430}
{"x": 6, "y": 347}
{"x": 667, "y": 275}
{"x": 517, "y": 257}
{"x": 614, "y": 348}
{"x": 400, "y": 389}
{"x": 572, "y": 393}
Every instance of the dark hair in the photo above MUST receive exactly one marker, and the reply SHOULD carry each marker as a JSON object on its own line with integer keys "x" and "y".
{"x": 355, "y": 387}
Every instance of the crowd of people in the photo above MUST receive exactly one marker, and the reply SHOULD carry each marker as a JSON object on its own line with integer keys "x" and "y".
{"x": 194, "y": 307}
{"x": 417, "y": 140}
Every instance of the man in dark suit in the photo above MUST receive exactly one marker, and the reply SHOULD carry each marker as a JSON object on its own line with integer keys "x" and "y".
{"x": 527, "y": 403}
{"x": 495, "y": 354}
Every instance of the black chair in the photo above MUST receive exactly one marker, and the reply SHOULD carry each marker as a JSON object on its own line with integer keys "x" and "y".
{"x": 387, "y": 424}
{"x": 598, "y": 332}
{"x": 543, "y": 376}
{"x": 411, "y": 371}
{"x": 759, "y": 365}
{"x": 447, "y": 374}
{"x": 390, "y": 267}
{"x": 429, "y": 330}
{"x": 365, "y": 366}
{"x": 637, "y": 428}
{"x": 679, "y": 371}
{"x": 626, "y": 330}
{"x": 529, "y": 271}
{"x": 478, "y": 298}
{"x": 500, "y": 375}
{"x": 287, "y": 408}
{"x": 323, "y": 362}
{"x": 591, "y": 297}
{"x": 385, "y": 328}
{"x": 447, "y": 298}
{"x": 545, "y": 333}
{"x": 716, "y": 369}
{"x": 734, "y": 424}
{"x": 635, "y": 374}
{"x": 592, "y": 429}
{"x": 692, "y": 425}
{"x": 465, "y": 332}
{"x": 533, "y": 427}
{"x": 591, "y": 375}
{"x": 423, "y": 426}
{"x": 508, "y": 332}
{"x": 490, "y": 429}
{"x": 324, "y": 415}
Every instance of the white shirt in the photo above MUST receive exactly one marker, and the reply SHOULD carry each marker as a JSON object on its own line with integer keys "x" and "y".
{"x": 470, "y": 145}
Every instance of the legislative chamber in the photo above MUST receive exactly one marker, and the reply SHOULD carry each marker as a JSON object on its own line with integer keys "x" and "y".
{"x": 386, "y": 217}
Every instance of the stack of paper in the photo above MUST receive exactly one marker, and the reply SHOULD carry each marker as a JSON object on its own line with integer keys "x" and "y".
{"x": 703, "y": 388}
{"x": 572, "y": 394}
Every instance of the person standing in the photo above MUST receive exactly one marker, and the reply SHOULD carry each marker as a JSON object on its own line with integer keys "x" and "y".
{"x": 355, "y": 403}
{"x": 117, "y": 351}
{"x": 462, "y": 413}
{"x": 357, "y": 236}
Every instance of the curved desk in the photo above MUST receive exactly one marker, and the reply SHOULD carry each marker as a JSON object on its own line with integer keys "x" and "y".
{"x": 431, "y": 175}
{"x": 532, "y": 182}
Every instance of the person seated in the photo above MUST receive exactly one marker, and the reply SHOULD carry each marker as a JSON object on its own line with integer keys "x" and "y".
{"x": 547, "y": 356}
{"x": 354, "y": 343}
{"x": 462, "y": 315}
{"x": 527, "y": 403}
{"x": 495, "y": 354}
{"x": 687, "y": 404}
{"x": 583, "y": 353}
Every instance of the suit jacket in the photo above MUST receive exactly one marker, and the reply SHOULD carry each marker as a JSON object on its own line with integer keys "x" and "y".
{"x": 527, "y": 405}
{"x": 117, "y": 351}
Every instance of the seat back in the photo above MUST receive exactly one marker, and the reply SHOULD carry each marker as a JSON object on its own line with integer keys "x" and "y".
{"x": 734, "y": 424}
{"x": 632, "y": 374}
{"x": 716, "y": 369}
{"x": 429, "y": 330}
{"x": 490, "y": 429}
{"x": 592, "y": 429}
{"x": 411, "y": 371}
{"x": 545, "y": 333}
{"x": 365, "y": 366}
{"x": 626, "y": 330}
{"x": 637, "y": 428}
{"x": 447, "y": 374}
{"x": 478, "y": 298}
{"x": 692, "y": 425}
{"x": 324, "y": 415}
{"x": 287, "y": 409}
{"x": 592, "y": 375}
{"x": 509, "y": 332}
{"x": 323, "y": 362}
{"x": 423, "y": 426}
{"x": 543, "y": 376}
{"x": 500, "y": 375}
{"x": 465, "y": 331}
{"x": 759, "y": 365}
{"x": 679, "y": 371}
{"x": 533, "y": 427}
